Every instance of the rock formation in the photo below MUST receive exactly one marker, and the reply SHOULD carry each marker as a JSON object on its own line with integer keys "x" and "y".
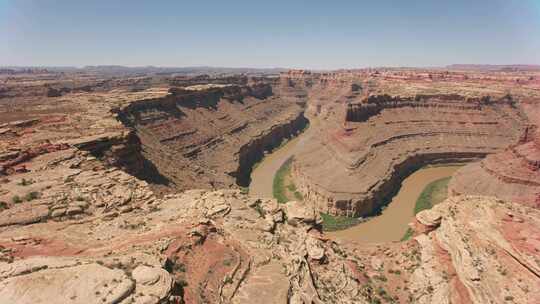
{"x": 93, "y": 207}
{"x": 384, "y": 138}
{"x": 209, "y": 136}
{"x": 478, "y": 263}
{"x": 222, "y": 246}
{"x": 513, "y": 174}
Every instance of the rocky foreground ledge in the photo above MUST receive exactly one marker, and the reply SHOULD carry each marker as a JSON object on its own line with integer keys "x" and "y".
{"x": 225, "y": 247}
{"x": 480, "y": 250}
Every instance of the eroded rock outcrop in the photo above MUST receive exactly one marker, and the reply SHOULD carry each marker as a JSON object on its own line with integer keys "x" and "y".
{"x": 385, "y": 138}
{"x": 492, "y": 260}
{"x": 199, "y": 246}
{"x": 209, "y": 136}
{"x": 513, "y": 174}
{"x": 68, "y": 283}
{"x": 222, "y": 246}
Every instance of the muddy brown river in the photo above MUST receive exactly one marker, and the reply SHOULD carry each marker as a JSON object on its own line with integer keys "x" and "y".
{"x": 391, "y": 225}
{"x": 262, "y": 177}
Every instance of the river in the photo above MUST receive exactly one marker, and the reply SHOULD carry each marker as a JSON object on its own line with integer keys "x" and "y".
{"x": 262, "y": 177}
{"x": 391, "y": 225}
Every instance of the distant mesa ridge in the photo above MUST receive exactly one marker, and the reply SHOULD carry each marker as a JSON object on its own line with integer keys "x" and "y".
{"x": 495, "y": 67}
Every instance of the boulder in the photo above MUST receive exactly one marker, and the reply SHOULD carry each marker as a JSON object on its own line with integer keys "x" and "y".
{"x": 298, "y": 213}
{"x": 153, "y": 284}
{"x": 429, "y": 218}
{"x": 314, "y": 248}
{"x": 91, "y": 283}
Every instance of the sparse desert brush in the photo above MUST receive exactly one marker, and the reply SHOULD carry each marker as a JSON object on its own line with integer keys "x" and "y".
{"x": 16, "y": 199}
{"x": 32, "y": 196}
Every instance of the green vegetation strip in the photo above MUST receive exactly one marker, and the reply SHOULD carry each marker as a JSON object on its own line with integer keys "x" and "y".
{"x": 292, "y": 189}
{"x": 278, "y": 186}
{"x": 334, "y": 223}
{"x": 408, "y": 234}
{"x": 434, "y": 193}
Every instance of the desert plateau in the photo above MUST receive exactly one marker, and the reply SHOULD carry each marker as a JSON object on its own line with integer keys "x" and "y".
{"x": 137, "y": 189}
{"x": 289, "y": 152}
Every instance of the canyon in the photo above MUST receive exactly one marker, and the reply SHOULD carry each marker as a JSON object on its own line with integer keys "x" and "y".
{"x": 369, "y": 143}
{"x": 133, "y": 188}
{"x": 192, "y": 135}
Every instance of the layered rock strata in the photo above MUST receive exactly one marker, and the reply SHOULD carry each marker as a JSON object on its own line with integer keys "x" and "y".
{"x": 84, "y": 121}
{"x": 209, "y": 136}
{"x": 492, "y": 260}
{"x": 76, "y": 227}
{"x": 385, "y": 138}
{"x": 513, "y": 174}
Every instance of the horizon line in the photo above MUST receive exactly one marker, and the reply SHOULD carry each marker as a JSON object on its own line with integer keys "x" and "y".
{"x": 262, "y": 68}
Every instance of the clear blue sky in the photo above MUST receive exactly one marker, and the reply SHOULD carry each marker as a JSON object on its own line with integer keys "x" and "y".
{"x": 310, "y": 34}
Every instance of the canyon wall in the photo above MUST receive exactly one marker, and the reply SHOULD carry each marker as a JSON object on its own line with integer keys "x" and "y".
{"x": 209, "y": 136}
{"x": 370, "y": 145}
{"x": 374, "y": 104}
{"x": 357, "y": 204}
{"x": 254, "y": 151}
{"x": 512, "y": 174}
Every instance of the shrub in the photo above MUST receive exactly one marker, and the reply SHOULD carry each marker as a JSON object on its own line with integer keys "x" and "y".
{"x": 334, "y": 222}
{"x": 25, "y": 182}
{"x": 16, "y": 199}
{"x": 380, "y": 278}
{"x": 179, "y": 267}
{"x": 32, "y": 196}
